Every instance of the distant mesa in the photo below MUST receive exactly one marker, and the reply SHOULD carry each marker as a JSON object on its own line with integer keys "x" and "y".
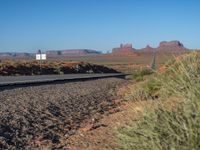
{"x": 148, "y": 49}
{"x": 126, "y": 46}
{"x": 11, "y": 55}
{"x": 124, "y": 49}
{"x": 171, "y": 44}
{"x": 171, "y": 47}
{"x": 164, "y": 47}
{"x": 50, "y": 54}
{"x": 72, "y": 52}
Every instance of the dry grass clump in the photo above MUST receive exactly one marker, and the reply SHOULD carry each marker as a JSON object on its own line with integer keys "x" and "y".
{"x": 175, "y": 127}
{"x": 138, "y": 75}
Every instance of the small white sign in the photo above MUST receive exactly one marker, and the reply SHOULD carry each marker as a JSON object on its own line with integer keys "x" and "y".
{"x": 38, "y": 56}
{"x": 43, "y": 56}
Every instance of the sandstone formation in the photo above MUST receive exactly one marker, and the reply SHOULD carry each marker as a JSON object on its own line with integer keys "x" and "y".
{"x": 147, "y": 49}
{"x": 124, "y": 49}
{"x": 171, "y": 47}
{"x": 164, "y": 47}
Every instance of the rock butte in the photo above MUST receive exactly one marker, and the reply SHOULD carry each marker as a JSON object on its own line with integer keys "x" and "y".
{"x": 164, "y": 47}
{"x": 124, "y": 49}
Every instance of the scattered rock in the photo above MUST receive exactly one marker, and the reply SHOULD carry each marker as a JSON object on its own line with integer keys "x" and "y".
{"x": 45, "y": 116}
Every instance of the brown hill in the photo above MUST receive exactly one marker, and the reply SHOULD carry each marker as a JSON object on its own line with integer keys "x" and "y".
{"x": 164, "y": 47}
{"x": 12, "y": 55}
{"x": 124, "y": 49}
{"x": 171, "y": 47}
{"x": 50, "y": 54}
{"x": 147, "y": 49}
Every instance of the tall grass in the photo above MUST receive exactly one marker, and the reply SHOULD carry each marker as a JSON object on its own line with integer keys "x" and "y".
{"x": 138, "y": 75}
{"x": 175, "y": 127}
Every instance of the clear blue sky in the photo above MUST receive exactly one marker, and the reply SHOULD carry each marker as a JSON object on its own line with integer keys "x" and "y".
{"x": 28, "y": 25}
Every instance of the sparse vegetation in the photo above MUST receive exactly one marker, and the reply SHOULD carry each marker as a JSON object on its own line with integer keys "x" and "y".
{"x": 164, "y": 126}
{"x": 138, "y": 75}
{"x": 13, "y": 68}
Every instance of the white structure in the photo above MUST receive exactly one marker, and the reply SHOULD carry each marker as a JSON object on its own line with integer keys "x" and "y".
{"x": 40, "y": 56}
{"x": 43, "y": 56}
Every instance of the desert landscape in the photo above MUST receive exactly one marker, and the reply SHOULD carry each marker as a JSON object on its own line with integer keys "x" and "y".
{"x": 99, "y": 75}
{"x": 124, "y": 59}
{"x": 58, "y": 115}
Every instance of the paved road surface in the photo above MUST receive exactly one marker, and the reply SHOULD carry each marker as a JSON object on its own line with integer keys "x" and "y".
{"x": 15, "y": 80}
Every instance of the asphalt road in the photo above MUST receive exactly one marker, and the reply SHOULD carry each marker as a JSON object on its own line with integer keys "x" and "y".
{"x": 15, "y": 80}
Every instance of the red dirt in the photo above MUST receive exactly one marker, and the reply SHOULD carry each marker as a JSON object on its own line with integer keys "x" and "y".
{"x": 99, "y": 134}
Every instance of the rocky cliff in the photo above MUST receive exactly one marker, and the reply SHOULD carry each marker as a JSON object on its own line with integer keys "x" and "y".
{"x": 123, "y": 49}
{"x": 164, "y": 47}
{"x": 171, "y": 47}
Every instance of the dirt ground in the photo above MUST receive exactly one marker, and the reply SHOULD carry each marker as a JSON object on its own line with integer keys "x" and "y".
{"x": 101, "y": 135}
{"x": 44, "y": 117}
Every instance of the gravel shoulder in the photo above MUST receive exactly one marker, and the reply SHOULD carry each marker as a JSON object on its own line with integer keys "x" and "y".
{"x": 46, "y": 116}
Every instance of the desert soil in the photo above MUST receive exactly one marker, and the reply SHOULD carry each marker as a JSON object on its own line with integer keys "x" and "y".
{"x": 47, "y": 116}
{"x": 102, "y": 135}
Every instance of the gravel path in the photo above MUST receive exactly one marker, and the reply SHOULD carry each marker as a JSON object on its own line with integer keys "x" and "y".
{"x": 33, "y": 117}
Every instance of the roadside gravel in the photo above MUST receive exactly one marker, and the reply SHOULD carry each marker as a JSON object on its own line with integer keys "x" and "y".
{"x": 45, "y": 116}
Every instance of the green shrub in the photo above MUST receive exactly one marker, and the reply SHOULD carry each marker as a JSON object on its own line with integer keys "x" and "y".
{"x": 146, "y": 91}
{"x": 182, "y": 78}
{"x": 152, "y": 86}
{"x": 138, "y": 75}
{"x": 165, "y": 127}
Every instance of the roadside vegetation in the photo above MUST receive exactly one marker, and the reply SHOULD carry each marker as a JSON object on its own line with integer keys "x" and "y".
{"x": 173, "y": 122}
{"x": 15, "y": 68}
{"x": 138, "y": 75}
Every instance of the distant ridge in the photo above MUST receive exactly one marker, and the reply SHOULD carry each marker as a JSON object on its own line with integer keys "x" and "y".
{"x": 164, "y": 47}
{"x": 123, "y": 49}
{"x": 50, "y": 54}
{"x": 11, "y": 55}
{"x": 71, "y": 52}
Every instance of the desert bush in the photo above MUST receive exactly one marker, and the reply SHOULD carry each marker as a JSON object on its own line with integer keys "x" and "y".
{"x": 164, "y": 127}
{"x": 182, "y": 78}
{"x": 12, "y": 68}
{"x": 147, "y": 90}
{"x": 138, "y": 75}
{"x": 152, "y": 86}
{"x": 137, "y": 95}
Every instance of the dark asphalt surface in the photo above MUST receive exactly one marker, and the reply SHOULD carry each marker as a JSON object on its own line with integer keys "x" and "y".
{"x": 14, "y": 80}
